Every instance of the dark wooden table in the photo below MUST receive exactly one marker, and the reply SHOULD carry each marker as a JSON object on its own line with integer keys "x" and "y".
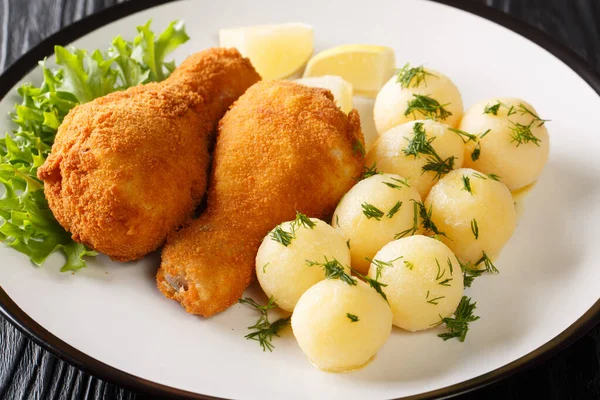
{"x": 29, "y": 372}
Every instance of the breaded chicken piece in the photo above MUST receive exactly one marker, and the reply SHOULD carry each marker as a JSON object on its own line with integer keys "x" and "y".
{"x": 282, "y": 147}
{"x": 130, "y": 167}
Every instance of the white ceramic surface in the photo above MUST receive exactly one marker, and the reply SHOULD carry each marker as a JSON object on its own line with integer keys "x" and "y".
{"x": 549, "y": 275}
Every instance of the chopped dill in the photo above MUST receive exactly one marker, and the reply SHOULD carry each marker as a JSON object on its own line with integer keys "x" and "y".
{"x": 427, "y": 107}
{"x": 370, "y": 211}
{"x": 475, "y": 228}
{"x": 352, "y": 317}
{"x": 333, "y": 270}
{"x": 467, "y": 184}
{"x": 394, "y": 209}
{"x": 264, "y": 330}
{"x": 458, "y": 327}
{"x": 416, "y": 75}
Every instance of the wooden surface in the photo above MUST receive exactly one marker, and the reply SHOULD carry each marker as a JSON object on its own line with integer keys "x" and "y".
{"x": 29, "y": 372}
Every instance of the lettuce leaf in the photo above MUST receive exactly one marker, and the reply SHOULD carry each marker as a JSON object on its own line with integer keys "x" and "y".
{"x": 26, "y": 222}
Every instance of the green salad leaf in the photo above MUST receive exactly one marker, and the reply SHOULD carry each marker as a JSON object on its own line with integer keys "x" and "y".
{"x": 26, "y": 222}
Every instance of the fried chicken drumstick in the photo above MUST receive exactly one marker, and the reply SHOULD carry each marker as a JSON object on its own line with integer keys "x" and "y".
{"x": 282, "y": 147}
{"x": 130, "y": 167}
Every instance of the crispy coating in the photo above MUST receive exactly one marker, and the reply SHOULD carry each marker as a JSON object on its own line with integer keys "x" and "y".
{"x": 128, "y": 168}
{"x": 282, "y": 147}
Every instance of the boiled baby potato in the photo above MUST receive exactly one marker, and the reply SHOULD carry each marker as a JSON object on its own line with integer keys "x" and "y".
{"x": 516, "y": 145}
{"x": 281, "y": 265}
{"x": 424, "y": 281}
{"x": 417, "y": 93}
{"x": 393, "y": 153}
{"x": 475, "y": 213}
{"x": 374, "y": 212}
{"x": 340, "y": 327}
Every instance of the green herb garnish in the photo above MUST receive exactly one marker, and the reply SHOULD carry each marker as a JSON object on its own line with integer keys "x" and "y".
{"x": 475, "y": 228}
{"x": 492, "y": 109}
{"x": 394, "y": 209}
{"x": 427, "y": 107}
{"x": 466, "y": 184}
{"x": 419, "y": 144}
{"x": 522, "y": 134}
{"x": 433, "y": 300}
{"x": 459, "y": 325}
{"x": 333, "y": 270}
{"x": 414, "y": 228}
{"x": 416, "y": 75}
{"x": 264, "y": 330}
{"x": 489, "y": 266}
{"x": 352, "y": 317}
{"x": 526, "y": 111}
{"x": 370, "y": 211}
{"x": 397, "y": 183}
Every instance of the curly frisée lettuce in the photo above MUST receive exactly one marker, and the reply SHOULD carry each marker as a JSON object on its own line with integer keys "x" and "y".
{"x": 26, "y": 222}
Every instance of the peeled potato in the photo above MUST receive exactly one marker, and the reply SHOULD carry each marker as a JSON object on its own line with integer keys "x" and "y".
{"x": 478, "y": 222}
{"x": 283, "y": 272}
{"x": 516, "y": 164}
{"x": 392, "y": 101}
{"x": 367, "y": 216}
{"x": 388, "y": 153}
{"x": 341, "y": 327}
{"x": 424, "y": 281}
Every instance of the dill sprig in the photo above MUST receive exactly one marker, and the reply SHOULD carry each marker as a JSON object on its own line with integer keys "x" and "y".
{"x": 489, "y": 266}
{"x": 379, "y": 265}
{"x": 476, "y": 152}
{"x": 394, "y": 209}
{"x": 419, "y": 144}
{"x": 526, "y": 111}
{"x": 369, "y": 171}
{"x": 493, "y": 177}
{"x": 458, "y": 327}
{"x": 264, "y": 268}
{"x": 466, "y": 137}
{"x": 333, "y": 270}
{"x": 433, "y": 300}
{"x": 264, "y": 330}
{"x": 406, "y": 75}
{"x": 475, "y": 228}
{"x": 440, "y": 274}
{"x": 427, "y": 222}
{"x": 374, "y": 283}
{"x": 370, "y": 211}
{"x": 467, "y": 184}
{"x": 303, "y": 220}
{"x": 409, "y": 265}
{"x": 282, "y": 236}
{"x": 414, "y": 228}
{"x": 348, "y": 243}
{"x": 470, "y": 137}
{"x": 522, "y": 134}
{"x": 427, "y": 107}
{"x": 469, "y": 273}
{"x": 397, "y": 183}
{"x": 352, "y": 317}
{"x": 492, "y": 109}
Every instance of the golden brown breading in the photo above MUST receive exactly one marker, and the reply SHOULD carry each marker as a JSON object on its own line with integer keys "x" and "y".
{"x": 282, "y": 147}
{"x": 128, "y": 168}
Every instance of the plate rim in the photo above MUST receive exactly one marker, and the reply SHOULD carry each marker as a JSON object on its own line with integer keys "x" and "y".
{"x": 61, "y": 349}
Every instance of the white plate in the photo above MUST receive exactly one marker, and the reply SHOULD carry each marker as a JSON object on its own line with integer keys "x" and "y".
{"x": 111, "y": 320}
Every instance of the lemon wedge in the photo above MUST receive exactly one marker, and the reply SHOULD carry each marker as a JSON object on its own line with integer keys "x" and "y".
{"x": 276, "y": 51}
{"x": 341, "y": 90}
{"x": 366, "y": 67}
